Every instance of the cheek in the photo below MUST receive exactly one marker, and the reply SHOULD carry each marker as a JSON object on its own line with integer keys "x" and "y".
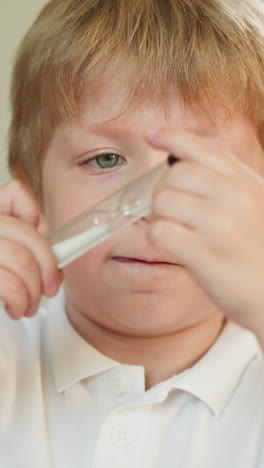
{"x": 80, "y": 278}
{"x": 62, "y": 205}
{"x": 64, "y": 197}
{"x": 88, "y": 270}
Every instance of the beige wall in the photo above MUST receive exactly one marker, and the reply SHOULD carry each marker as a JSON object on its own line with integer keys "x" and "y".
{"x": 15, "y": 18}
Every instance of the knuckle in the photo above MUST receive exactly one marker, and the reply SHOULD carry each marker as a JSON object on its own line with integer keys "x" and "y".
{"x": 30, "y": 231}
{"x": 13, "y": 293}
{"x": 13, "y": 184}
{"x": 16, "y": 186}
{"x": 14, "y": 287}
{"x": 26, "y": 260}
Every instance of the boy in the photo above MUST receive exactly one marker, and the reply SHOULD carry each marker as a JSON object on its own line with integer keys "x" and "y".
{"x": 147, "y": 356}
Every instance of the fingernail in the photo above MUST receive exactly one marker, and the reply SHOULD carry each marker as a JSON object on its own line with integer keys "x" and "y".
{"x": 172, "y": 159}
{"x": 52, "y": 290}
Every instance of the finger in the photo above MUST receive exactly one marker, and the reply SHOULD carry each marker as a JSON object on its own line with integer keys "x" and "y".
{"x": 20, "y": 261}
{"x": 37, "y": 245}
{"x": 191, "y": 147}
{"x": 186, "y": 209}
{"x": 214, "y": 226}
{"x": 16, "y": 201}
{"x": 229, "y": 197}
{"x": 42, "y": 226}
{"x": 183, "y": 245}
{"x": 14, "y": 294}
{"x": 197, "y": 179}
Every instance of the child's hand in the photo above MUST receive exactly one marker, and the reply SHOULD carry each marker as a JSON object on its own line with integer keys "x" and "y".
{"x": 27, "y": 264}
{"x": 208, "y": 214}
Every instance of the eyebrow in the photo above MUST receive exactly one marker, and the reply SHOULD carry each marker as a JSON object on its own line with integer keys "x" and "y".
{"x": 110, "y": 129}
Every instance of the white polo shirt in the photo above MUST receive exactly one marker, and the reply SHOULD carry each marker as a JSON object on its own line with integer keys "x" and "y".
{"x": 65, "y": 405}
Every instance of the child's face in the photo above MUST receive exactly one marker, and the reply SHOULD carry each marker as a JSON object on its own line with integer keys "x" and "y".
{"x": 105, "y": 284}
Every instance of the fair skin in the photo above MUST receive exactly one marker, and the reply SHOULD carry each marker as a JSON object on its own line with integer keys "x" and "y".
{"x": 156, "y": 293}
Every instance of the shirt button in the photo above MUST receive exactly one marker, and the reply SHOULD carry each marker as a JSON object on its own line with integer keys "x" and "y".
{"x": 121, "y": 437}
{"x": 118, "y": 386}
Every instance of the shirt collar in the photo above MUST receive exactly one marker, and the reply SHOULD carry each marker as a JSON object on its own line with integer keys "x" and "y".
{"x": 214, "y": 378}
{"x": 71, "y": 357}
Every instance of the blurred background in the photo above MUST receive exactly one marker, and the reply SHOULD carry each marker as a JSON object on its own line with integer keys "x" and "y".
{"x": 15, "y": 18}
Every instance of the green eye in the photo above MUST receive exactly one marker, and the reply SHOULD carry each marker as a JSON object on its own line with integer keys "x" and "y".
{"x": 107, "y": 161}
{"x": 104, "y": 161}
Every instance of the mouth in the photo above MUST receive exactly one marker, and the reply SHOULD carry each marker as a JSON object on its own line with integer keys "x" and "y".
{"x": 143, "y": 261}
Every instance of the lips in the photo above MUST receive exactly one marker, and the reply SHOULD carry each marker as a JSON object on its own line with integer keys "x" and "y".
{"x": 142, "y": 260}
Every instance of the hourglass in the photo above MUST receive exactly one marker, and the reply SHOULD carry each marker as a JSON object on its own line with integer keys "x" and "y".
{"x": 118, "y": 210}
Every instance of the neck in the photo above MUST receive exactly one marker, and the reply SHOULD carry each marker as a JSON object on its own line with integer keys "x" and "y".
{"x": 161, "y": 356}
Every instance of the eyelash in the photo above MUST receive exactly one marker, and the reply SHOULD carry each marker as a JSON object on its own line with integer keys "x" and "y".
{"x": 94, "y": 158}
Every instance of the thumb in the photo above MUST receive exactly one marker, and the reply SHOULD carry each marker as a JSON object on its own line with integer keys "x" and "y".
{"x": 17, "y": 201}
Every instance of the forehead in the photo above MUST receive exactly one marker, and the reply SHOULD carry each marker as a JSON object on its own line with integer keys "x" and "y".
{"x": 117, "y": 105}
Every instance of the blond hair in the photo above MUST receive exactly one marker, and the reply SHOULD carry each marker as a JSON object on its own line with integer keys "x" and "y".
{"x": 205, "y": 48}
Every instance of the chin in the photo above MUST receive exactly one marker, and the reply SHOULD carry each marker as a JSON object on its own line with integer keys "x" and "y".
{"x": 145, "y": 317}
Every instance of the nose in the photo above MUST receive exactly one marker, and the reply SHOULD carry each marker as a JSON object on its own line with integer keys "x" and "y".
{"x": 152, "y": 183}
